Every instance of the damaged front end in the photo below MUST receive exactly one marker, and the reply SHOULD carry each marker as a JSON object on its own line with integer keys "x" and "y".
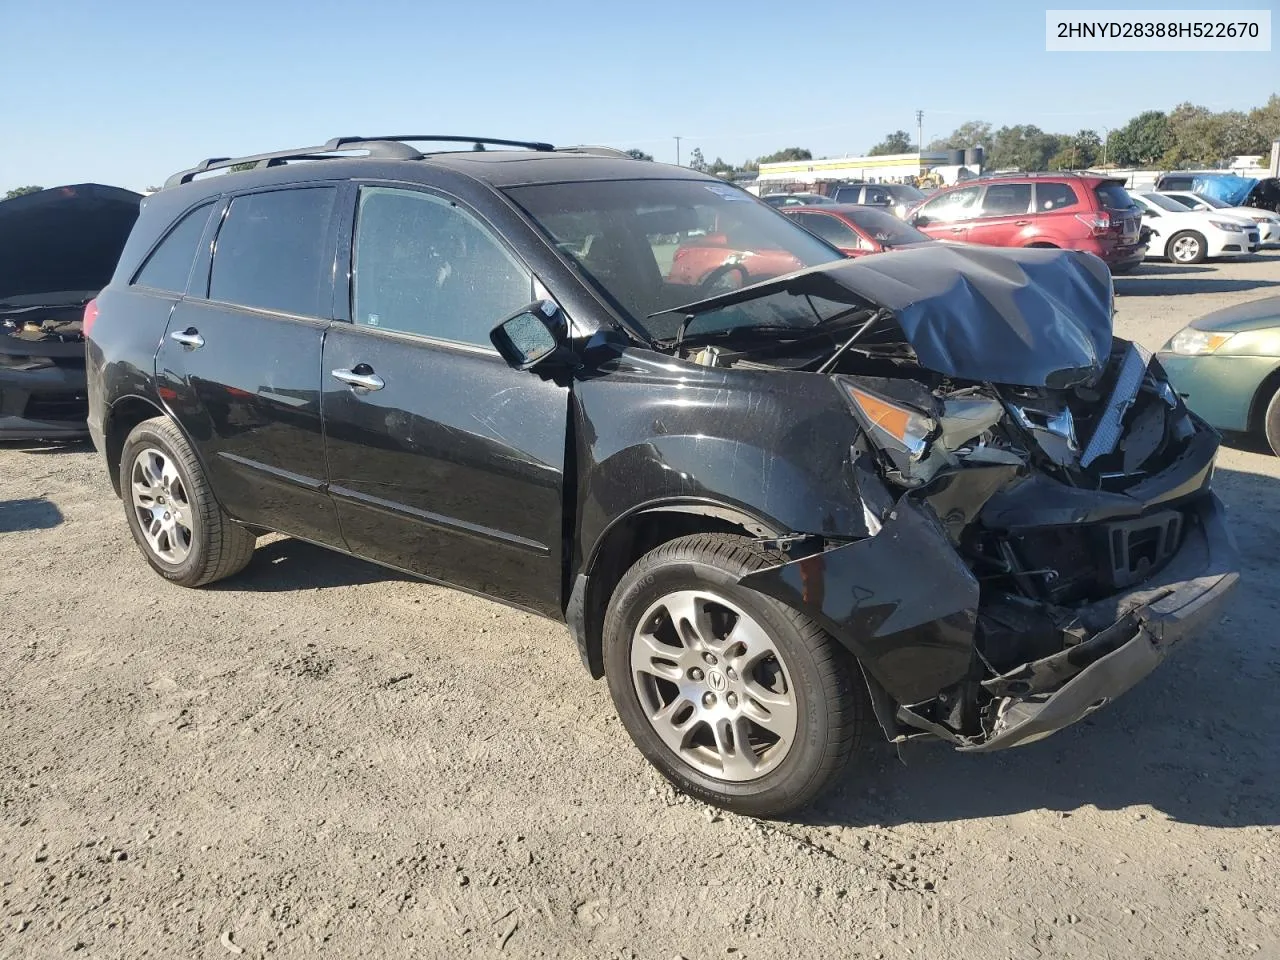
{"x": 1037, "y": 498}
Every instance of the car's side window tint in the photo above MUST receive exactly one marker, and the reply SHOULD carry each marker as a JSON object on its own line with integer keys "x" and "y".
{"x": 1006, "y": 199}
{"x": 423, "y": 265}
{"x": 271, "y": 251}
{"x": 1054, "y": 196}
{"x": 829, "y": 229}
{"x": 169, "y": 266}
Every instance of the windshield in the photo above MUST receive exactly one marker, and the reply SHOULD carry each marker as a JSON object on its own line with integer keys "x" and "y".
{"x": 1190, "y": 200}
{"x": 650, "y": 245}
{"x": 1164, "y": 203}
{"x": 905, "y": 193}
{"x": 885, "y": 228}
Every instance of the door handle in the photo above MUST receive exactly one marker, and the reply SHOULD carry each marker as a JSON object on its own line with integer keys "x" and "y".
{"x": 360, "y": 378}
{"x": 1021, "y": 223}
{"x": 957, "y": 229}
{"x": 189, "y": 338}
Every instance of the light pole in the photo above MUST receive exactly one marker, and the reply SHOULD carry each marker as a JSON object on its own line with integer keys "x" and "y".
{"x": 919, "y": 131}
{"x": 678, "y": 139}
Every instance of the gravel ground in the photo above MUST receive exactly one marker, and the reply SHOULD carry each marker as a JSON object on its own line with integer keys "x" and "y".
{"x": 322, "y": 758}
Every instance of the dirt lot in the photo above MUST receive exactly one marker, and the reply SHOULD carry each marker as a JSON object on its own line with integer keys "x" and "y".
{"x": 322, "y": 758}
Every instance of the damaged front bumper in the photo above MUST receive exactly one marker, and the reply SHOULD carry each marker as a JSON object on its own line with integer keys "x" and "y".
{"x": 908, "y": 607}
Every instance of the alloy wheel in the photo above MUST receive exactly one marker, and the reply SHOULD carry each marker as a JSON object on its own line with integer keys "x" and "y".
{"x": 713, "y": 685}
{"x": 1186, "y": 249}
{"x": 160, "y": 502}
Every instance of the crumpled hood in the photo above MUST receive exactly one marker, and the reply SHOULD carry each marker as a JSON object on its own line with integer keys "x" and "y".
{"x": 1028, "y": 317}
{"x": 64, "y": 239}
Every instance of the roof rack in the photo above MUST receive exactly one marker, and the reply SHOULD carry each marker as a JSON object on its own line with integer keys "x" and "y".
{"x": 1035, "y": 174}
{"x": 383, "y": 148}
{"x": 596, "y": 151}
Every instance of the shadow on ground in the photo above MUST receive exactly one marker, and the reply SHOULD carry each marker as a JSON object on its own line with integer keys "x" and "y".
{"x": 47, "y": 446}
{"x": 285, "y": 564}
{"x": 36, "y": 513}
{"x": 1162, "y": 285}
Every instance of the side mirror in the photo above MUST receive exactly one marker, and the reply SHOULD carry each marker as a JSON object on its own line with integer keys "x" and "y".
{"x": 527, "y": 338}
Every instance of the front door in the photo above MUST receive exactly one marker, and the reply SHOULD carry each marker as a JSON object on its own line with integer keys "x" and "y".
{"x": 947, "y": 217}
{"x": 442, "y": 459}
{"x": 239, "y": 365}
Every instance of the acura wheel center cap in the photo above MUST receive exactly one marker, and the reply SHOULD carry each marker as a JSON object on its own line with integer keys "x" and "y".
{"x": 716, "y": 681}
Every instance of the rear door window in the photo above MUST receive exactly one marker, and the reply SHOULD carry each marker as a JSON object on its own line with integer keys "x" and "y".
{"x": 272, "y": 252}
{"x": 169, "y": 265}
{"x": 1006, "y": 199}
{"x": 1054, "y": 196}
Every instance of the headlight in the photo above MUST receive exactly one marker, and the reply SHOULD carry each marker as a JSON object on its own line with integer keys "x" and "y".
{"x": 895, "y": 424}
{"x": 1228, "y": 227}
{"x": 1190, "y": 342}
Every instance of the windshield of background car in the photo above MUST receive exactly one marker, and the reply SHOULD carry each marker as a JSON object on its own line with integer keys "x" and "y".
{"x": 650, "y": 245}
{"x": 1191, "y": 201}
{"x": 1113, "y": 196}
{"x": 885, "y": 228}
{"x": 1164, "y": 203}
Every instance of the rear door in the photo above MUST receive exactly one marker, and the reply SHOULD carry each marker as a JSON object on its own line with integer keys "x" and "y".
{"x": 1004, "y": 215}
{"x": 239, "y": 365}
{"x": 948, "y": 216}
{"x": 442, "y": 459}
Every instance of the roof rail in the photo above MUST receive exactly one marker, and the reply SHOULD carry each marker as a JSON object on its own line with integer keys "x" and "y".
{"x": 1034, "y": 174}
{"x": 385, "y": 150}
{"x": 339, "y": 143}
{"x": 596, "y": 151}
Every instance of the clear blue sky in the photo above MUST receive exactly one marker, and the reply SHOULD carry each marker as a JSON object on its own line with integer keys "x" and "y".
{"x": 127, "y": 93}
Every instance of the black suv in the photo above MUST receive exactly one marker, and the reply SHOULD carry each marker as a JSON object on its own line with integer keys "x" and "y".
{"x": 927, "y": 491}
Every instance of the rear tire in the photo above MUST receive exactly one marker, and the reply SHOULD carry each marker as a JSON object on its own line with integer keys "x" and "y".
{"x": 763, "y": 739}
{"x": 180, "y": 528}
{"x": 1187, "y": 247}
{"x": 1271, "y": 423}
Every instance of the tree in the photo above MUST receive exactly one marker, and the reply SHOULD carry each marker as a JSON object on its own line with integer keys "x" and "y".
{"x": 1143, "y": 140}
{"x": 897, "y": 142}
{"x": 789, "y": 153}
{"x": 1022, "y": 147}
{"x": 973, "y": 133}
{"x": 22, "y": 191}
{"x": 697, "y": 161}
{"x": 477, "y": 147}
{"x": 720, "y": 168}
{"x": 1076, "y": 152}
{"x": 635, "y": 154}
{"x": 1264, "y": 125}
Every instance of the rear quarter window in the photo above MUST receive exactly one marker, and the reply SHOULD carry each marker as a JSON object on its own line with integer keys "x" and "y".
{"x": 169, "y": 265}
{"x": 1112, "y": 196}
{"x": 272, "y": 251}
{"x": 1054, "y": 196}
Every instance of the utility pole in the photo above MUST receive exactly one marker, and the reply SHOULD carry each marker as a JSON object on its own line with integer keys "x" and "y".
{"x": 678, "y": 139}
{"x": 1106, "y": 135}
{"x": 920, "y": 131}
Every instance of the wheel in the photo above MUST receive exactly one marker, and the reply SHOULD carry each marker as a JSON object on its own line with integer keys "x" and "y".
{"x": 1187, "y": 247}
{"x": 1271, "y": 424}
{"x": 179, "y": 526}
{"x": 737, "y": 699}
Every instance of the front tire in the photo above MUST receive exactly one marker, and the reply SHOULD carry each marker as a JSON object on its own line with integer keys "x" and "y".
{"x": 175, "y": 520}
{"x": 1187, "y": 247}
{"x": 737, "y": 699}
{"x": 1271, "y": 423}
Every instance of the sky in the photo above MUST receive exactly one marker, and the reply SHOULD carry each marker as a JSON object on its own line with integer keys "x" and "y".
{"x": 128, "y": 93}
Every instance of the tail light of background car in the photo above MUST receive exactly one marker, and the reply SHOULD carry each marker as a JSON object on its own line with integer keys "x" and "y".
{"x": 1098, "y": 223}
{"x": 90, "y": 315}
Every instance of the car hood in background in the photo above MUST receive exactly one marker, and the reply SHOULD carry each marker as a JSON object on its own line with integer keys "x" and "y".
{"x": 64, "y": 239}
{"x": 1254, "y": 315}
{"x": 1030, "y": 317}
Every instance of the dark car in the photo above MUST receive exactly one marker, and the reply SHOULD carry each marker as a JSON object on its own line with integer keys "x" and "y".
{"x": 896, "y": 197}
{"x": 925, "y": 491}
{"x": 1062, "y": 210}
{"x": 58, "y": 248}
{"x": 855, "y": 230}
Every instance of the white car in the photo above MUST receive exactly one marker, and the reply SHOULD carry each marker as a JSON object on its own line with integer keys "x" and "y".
{"x": 1268, "y": 222}
{"x": 1190, "y": 236}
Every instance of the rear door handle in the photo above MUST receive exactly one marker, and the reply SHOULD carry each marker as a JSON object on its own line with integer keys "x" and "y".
{"x": 958, "y": 229}
{"x": 1021, "y": 223}
{"x": 360, "y": 378}
{"x": 189, "y": 338}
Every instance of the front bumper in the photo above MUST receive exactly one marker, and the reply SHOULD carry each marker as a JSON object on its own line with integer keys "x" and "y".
{"x": 1218, "y": 388}
{"x": 1186, "y": 596}
{"x": 47, "y": 404}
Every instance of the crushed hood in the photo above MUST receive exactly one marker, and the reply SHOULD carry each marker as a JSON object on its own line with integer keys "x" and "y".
{"x": 63, "y": 240}
{"x": 1030, "y": 317}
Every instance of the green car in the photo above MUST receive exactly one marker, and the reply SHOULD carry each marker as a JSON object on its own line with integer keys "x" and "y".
{"x": 1227, "y": 367}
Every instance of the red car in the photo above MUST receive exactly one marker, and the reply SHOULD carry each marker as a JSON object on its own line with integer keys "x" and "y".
{"x": 715, "y": 263}
{"x": 1071, "y": 211}
{"x": 856, "y": 230}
